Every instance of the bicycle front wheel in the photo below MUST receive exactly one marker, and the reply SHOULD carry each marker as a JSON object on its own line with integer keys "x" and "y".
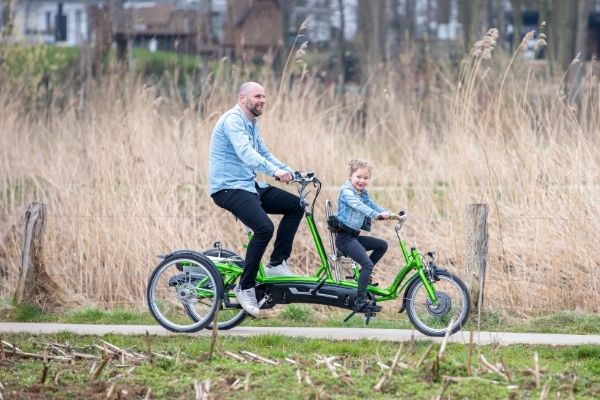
{"x": 184, "y": 292}
{"x": 454, "y": 304}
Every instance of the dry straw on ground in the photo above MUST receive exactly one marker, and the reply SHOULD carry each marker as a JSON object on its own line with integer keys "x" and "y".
{"x": 122, "y": 167}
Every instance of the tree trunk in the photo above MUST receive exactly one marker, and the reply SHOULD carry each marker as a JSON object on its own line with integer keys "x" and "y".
{"x": 286, "y": 7}
{"x": 517, "y": 23}
{"x": 411, "y": 16}
{"x": 371, "y": 33}
{"x": 466, "y": 19}
{"x": 341, "y": 67}
{"x": 583, "y": 13}
{"x": 566, "y": 34}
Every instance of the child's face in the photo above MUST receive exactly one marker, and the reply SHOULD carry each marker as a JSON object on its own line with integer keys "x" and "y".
{"x": 360, "y": 178}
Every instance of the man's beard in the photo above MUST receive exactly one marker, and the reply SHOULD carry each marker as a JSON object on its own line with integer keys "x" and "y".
{"x": 253, "y": 109}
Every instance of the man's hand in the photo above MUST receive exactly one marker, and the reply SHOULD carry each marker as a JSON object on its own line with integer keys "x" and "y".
{"x": 384, "y": 215}
{"x": 283, "y": 176}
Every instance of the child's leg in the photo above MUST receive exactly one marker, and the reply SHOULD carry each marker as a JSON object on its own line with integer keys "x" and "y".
{"x": 350, "y": 246}
{"x": 379, "y": 247}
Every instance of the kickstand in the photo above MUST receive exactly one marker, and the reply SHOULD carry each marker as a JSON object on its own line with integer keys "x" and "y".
{"x": 368, "y": 315}
{"x": 350, "y": 316}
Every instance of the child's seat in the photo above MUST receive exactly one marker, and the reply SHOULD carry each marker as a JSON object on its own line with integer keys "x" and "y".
{"x": 336, "y": 258}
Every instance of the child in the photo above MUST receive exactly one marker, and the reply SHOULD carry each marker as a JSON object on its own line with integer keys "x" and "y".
{"x": 355, "y": 212}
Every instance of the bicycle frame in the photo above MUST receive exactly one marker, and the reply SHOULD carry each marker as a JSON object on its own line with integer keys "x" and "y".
{"x": 323, "y": 275}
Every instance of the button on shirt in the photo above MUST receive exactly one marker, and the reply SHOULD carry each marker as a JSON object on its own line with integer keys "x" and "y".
{"x": 237, "y": 153}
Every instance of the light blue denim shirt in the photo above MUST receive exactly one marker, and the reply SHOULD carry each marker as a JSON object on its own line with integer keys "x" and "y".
{"x": 355, "y": 209}
{"x": 237, "y": 153}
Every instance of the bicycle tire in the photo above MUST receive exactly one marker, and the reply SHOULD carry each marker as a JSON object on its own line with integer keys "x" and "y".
{"x": 171, "y": 293}
{"x": 433, "y": 320}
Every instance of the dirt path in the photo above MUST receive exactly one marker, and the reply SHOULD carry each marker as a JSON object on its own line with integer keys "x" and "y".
{"x": 395, "y": 335}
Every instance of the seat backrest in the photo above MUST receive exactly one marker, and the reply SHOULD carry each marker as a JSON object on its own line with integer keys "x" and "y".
{"x": 328, "y": 209}
{"x": 328, "y": 213}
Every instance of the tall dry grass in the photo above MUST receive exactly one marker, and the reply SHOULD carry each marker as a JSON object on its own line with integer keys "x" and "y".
{"x": 123, "y": 168}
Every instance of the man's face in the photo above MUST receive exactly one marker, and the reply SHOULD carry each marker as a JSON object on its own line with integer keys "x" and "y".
{"x": 254, "y": 100}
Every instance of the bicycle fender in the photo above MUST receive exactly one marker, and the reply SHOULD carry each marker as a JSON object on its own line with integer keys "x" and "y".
{"x": 408, "y": 286}
{"x": 178, "y": 253}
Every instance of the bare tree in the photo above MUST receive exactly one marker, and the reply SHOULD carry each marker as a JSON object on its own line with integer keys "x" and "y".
{"x": 469, "y": 16}
{"x": 566, "y": 25}
{"x": 410, "y": 18}
{"x": 341, "y": 66}
{"x": 371, "y": 34}
{"x": 517, "y": 22}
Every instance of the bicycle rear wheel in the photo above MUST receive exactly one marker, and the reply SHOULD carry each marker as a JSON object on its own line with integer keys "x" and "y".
{"x": 433, "y": 319}
{"x": 184, "y": 292}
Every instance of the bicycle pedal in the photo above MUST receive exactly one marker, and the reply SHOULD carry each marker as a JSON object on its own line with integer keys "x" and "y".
{"x": 368, "y": 316}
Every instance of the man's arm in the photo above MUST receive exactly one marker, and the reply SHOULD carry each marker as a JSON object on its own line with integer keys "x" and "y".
{"x": 235, "y": 129}
{"x": 264, "y": 151}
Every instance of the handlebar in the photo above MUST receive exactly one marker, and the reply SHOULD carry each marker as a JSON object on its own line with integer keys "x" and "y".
{"x": 301, "y": 177}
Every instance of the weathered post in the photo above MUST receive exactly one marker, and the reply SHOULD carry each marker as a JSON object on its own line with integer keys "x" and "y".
{"x": 32, "y": 248}
{"x": 476, "y": 251}
{"x": 35, "y": 285}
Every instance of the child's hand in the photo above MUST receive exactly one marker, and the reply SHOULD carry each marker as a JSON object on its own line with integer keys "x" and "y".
{"x": 384, "y": 215}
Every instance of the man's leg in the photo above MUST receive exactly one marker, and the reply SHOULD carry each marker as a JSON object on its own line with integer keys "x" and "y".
{"x": 247, "y": 208}
{"x": 278, "y": 201}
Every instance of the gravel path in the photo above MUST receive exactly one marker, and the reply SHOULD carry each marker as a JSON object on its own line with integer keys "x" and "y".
{"x": 393, "y": 335}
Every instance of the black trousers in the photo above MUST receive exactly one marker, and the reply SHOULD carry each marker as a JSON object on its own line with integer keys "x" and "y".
{"x": 356, "y": 248}
{"x": 252, "y": 210}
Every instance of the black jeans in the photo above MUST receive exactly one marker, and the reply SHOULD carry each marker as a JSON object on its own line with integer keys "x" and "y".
{"x": 252, "y": 210}
{"x": 356, "y": 248}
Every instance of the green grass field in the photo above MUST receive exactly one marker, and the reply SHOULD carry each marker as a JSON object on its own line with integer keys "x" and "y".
{"x": 272, "y": 366}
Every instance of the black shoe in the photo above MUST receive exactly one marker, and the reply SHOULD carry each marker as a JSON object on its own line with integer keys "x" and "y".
{"x": 366, "y": 305}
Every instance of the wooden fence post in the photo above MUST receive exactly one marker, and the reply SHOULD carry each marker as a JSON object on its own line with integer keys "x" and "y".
{"x": 32, "y": 248}
{"x": 35, "y": 285}
{"x": 476, "y": 251}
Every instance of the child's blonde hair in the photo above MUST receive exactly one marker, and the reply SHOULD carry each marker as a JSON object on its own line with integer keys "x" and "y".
{"x": 354, "y": 165}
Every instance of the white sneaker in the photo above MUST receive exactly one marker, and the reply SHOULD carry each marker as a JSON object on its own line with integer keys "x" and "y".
{"x": 247, "y": 299}
{"x": 278, "y": 270}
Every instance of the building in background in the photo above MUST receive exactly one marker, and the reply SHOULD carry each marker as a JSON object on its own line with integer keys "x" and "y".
{"x": 53, "y": 22}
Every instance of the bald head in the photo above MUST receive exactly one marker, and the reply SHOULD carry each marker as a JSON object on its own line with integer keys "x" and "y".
{"x": 252, "y": 99}
{"x": 246, "y": 87}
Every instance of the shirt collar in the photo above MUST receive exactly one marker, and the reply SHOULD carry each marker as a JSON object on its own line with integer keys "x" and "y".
{"x": 248, "y": 122}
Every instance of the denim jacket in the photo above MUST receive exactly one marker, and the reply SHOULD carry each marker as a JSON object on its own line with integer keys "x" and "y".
{"x": 356, "y": 210}
{"x": 237, "y": 153}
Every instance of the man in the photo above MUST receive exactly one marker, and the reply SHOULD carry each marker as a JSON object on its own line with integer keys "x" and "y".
{"x": 237, "y": 153}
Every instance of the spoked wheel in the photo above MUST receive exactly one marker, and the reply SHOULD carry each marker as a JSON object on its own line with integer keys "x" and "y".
{"x": 454, "y": 303}
{"x": 184, "y": 292}
{"x": 228, "y": 317}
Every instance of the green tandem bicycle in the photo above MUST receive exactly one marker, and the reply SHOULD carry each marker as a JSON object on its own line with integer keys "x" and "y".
{"x": 187, "y": 288}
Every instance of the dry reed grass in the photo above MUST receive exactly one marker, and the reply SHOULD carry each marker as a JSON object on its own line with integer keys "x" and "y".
{"x": 123, "y": 169}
